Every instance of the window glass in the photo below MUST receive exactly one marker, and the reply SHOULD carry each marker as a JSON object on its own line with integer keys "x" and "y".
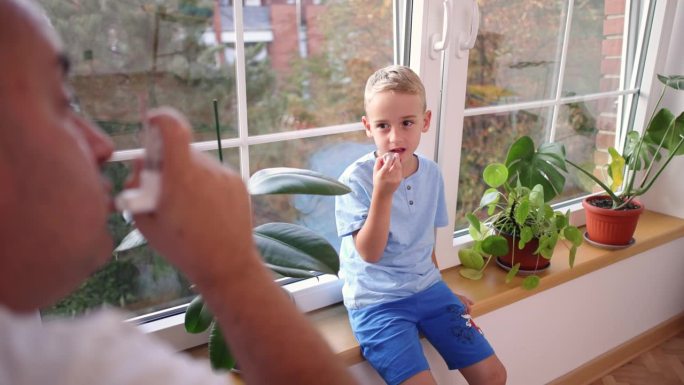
{"x": 516, "y": 57}
{"x": 491, "y": 135}
{"x": 329, "y": 155}
{"x": 306, "y": 66}
{"x": 594, "y": 52}
{"x": 318, "y": 61}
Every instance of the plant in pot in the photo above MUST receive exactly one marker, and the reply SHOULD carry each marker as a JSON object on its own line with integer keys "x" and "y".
{"x": 289, "y": 250}
{"x": 612, "y": 216}
{"x": 520, "y": 229}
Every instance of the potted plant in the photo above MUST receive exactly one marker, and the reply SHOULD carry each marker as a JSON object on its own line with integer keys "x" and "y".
{"x": 289, "y": 250}
{"x": 520, "y": 229}
{"x": 612, "y": 217}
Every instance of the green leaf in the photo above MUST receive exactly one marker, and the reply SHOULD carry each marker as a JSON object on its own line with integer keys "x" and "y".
{"x": 522, "y": 210}
{"x": 546, "y": 245}
{"x": 572, "y": 234}
{"x": 530, "y": 282}
{"x": 495, "y": 175}
{"x": 471, "y": 273}
{"x": 673, "y": 81}
{"x": 471, "y": 258}
{"x": 495, "y": 245}
{"x": 292, "y": 246}
{"x": 561, "y": 221}
{"x": 219, "y": 353}
{"x": 198, "y": 317}
{"x": 475, "y": 226}
{"x": 542, "y": 167}
{"x": 537, "y": 196}
{"x": 284, "y": 180}
{"x": 617, "y": 167}
{"x": 131, "y": 241}
{"x": 526, "y": 235}
{"x": 489, "y": 198}
{"x": 573, "y": 254}
{"x": 512, "y": 272}
{"x": 665, "y": 125}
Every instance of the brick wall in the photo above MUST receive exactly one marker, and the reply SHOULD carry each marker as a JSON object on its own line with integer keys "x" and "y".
{"x": 611, "y": 50}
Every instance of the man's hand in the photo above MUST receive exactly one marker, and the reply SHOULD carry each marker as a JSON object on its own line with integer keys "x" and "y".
{"x": 202, "y": 223}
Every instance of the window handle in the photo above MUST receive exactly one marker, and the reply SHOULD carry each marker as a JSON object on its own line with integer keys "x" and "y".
{"x": 443, "y": 43}
{"x": 466, "y": 43}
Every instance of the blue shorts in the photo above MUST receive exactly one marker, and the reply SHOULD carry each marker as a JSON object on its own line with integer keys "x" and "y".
{"x": 389, "y": 333}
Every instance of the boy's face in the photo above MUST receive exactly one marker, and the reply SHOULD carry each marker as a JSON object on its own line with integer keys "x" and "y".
{"x": 395, "y": 121}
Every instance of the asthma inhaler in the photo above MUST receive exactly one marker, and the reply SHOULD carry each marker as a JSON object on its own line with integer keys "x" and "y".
{"x": 144, "y": 198}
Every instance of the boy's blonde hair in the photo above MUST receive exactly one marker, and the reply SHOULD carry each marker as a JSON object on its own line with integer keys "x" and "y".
{"x": 395, "y": 78}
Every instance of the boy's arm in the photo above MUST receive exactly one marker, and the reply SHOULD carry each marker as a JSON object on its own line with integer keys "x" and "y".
{"x": 371, "y": 239}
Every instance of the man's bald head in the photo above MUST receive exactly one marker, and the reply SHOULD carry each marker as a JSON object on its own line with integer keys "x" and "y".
{"x": 22, "y": 23}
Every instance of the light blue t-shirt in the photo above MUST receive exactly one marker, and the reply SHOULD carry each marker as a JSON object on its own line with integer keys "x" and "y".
{"x": 406, "y": 267}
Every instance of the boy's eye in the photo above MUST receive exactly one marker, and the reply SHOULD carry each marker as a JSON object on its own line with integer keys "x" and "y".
{"x": 407, "y": 123}
{"x": 382, "y": 126}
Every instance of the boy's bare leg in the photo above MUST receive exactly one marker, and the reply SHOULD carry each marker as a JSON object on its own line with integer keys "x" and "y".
{"x": 422, "y": 378}
{"x": 489, "y": 371}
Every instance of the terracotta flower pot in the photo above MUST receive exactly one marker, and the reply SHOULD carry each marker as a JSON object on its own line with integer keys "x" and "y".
{"x": 610, "y": 227}
{"x": 526, "y": 257}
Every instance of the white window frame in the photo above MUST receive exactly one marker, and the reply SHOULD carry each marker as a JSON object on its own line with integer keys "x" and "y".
{"x": 444, "y": 74}
{"x": 439, "y": 143}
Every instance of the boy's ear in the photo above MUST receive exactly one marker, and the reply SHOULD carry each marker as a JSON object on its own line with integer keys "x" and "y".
{"x": 426, "y": 121}
{"x": 366, "y": 126}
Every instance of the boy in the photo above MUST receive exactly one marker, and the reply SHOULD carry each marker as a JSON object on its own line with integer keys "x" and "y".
{"x": 393, "y": 289}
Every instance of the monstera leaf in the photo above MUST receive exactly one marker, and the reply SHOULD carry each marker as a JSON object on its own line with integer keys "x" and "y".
{"x": 541, "y": 167}
{"x": 284, "y": 180}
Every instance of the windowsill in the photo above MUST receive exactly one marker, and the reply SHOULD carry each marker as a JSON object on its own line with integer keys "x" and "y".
{"x": 492, "y": 293}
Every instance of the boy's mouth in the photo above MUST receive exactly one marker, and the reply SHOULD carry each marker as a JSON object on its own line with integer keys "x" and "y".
{"x": 398, "y": 150}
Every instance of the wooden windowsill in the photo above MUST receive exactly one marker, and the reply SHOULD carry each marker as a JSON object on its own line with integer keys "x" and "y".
{"x": 491, "y": 292}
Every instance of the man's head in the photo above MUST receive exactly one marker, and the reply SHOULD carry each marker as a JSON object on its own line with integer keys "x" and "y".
{"x": 53, "y": 202}
{"x": 396, "y": 111}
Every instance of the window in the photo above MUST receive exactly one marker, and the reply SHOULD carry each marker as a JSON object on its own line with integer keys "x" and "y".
{"x": 559, "y": 70}
{"x": 288, "y": 79}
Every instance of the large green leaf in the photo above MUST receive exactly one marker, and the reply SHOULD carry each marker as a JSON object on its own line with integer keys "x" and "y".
{"x": 471, "y": 258}
{"x": 284, "y": 180}
{"x": 664, "y": 125}
{"x": 542, "y": 167}
{"x": 531, "y": 282}
{"x": 292, "y": 246}
{"x": 673, "y": 81}
{"x": 219, "y": 353}
{"x": 198, "y": 317}
{"x": 471, "y": 273}
{"x": 495, "y": 245}
{"x": 495, "y": 175}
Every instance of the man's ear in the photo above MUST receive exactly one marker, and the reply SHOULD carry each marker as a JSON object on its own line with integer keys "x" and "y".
{"x": 366, "y": 125}
{"x": 426, "y": 121}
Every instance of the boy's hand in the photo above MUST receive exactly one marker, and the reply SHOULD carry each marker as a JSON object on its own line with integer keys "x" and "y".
{"x": 387, "y": 174}
{"x": 467, "y": 302}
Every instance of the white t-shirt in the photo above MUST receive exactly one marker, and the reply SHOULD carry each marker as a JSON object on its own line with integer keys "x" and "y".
{"x": 96, "y": 349}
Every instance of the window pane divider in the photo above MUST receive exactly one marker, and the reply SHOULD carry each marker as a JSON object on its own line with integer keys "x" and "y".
{"x": 252, "y": 140}
{"x": 545, "y": 103}
{"x": 241, "y": 88}
{"x": 561, "y": 69}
